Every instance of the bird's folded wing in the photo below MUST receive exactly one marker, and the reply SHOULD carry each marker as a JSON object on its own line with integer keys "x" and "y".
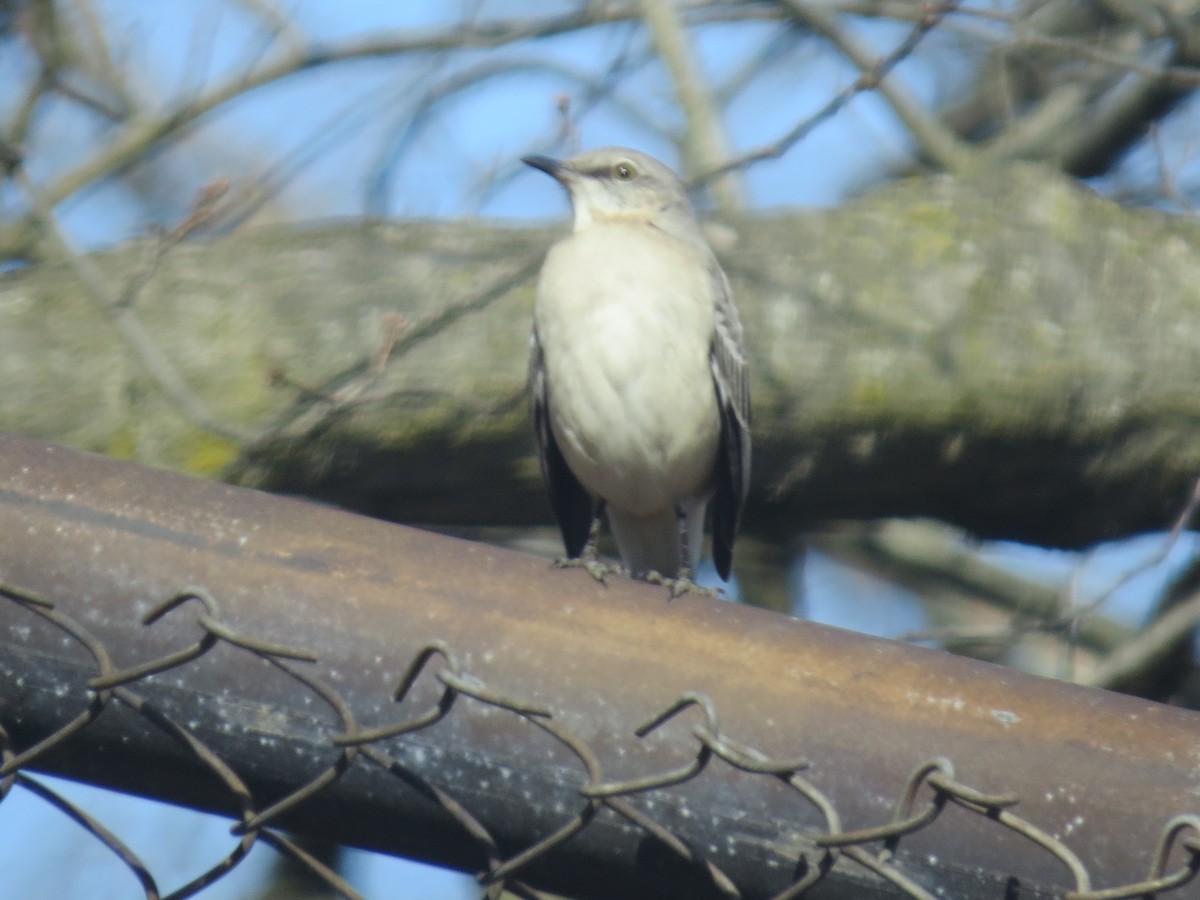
{"x": 572, "y": 505}
{"x": 727, "y": 358}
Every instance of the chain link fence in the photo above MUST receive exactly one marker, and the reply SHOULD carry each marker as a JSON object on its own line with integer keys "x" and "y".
{"x": 919, "y": 801}
{"x": 67, "y": 705}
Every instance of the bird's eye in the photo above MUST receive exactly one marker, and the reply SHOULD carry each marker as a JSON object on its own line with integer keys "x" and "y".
{"x": 623, "y": 171}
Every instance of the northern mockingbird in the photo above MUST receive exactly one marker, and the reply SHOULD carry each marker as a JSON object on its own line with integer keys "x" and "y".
{"x": 637, "y": 375}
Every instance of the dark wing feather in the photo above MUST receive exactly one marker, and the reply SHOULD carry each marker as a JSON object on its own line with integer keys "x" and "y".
{"x": 727, "y": 358}
{"x": 572, "y": 505}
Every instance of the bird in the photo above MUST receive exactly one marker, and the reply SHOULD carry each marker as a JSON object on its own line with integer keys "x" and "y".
{"x": 638, "y": 381}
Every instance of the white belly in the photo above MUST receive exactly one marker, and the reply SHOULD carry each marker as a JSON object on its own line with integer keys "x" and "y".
{"x": 631, "y": 396}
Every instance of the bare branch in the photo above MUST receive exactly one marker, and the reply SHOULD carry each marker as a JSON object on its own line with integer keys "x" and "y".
{"x": 706, "y": 144}
{"x": 872, "y": 77}
{"x": 277, "y": 23}
{"x": 1140, "y": 653}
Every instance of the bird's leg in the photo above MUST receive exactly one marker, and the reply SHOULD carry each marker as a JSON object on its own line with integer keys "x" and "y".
{"x": 590, "y": 559}
{"x": 684, "y": 581}
{"x": 686, "y": 563}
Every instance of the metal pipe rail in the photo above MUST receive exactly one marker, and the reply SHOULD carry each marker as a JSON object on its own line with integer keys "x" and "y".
{"x": 294, "y": 666}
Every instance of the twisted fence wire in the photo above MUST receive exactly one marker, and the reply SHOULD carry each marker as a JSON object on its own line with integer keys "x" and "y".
{"x": 920, "y": 801}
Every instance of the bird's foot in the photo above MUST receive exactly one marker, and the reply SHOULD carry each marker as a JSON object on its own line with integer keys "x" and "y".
{"x": 595, "y": 566}
{"x": 681, "y": 584}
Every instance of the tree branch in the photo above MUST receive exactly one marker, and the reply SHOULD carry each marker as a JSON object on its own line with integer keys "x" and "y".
{"x": 1003, "y": 351}
{"x": 874, "y": 71}
{"x": 705, "y": 146}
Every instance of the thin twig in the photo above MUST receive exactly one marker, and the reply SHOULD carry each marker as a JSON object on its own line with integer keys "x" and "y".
{"x": 1185, "y": 517}
{"x": 942, "y": 146}
{"x": 140, "y": 134}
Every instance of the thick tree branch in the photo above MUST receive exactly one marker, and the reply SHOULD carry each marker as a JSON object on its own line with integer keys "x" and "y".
{"x": 1003, "y": 351}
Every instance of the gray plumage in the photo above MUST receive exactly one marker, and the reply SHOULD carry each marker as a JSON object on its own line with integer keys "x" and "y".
{"x": 637, "y": 379}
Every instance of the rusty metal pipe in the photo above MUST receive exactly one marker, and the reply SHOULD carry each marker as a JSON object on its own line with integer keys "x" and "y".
{"x": 554, "y": 661}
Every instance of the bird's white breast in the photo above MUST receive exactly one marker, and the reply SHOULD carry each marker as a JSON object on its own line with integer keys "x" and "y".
{"x": 625, "y": 320}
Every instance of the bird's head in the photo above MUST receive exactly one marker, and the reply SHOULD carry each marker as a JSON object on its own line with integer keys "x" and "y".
{"x": 618, "y": 184}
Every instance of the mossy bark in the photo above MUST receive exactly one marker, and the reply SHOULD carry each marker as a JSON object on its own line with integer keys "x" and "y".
{"x": 1003, "y": 350}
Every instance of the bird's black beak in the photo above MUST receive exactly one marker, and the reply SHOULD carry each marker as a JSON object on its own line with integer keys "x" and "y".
{"x": 551, "y": 167}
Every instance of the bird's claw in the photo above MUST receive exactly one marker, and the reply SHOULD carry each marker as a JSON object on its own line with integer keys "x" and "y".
{"x": 683, "y": 584}
{"x": 597, "y": 568}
